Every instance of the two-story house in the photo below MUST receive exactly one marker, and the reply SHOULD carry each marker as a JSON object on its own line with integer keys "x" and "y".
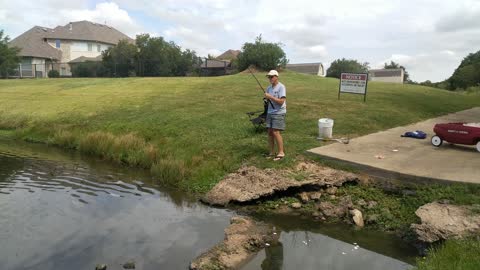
{"x": 43, "y": 49}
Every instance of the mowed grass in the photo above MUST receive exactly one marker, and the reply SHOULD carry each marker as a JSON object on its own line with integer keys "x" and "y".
{"x": 454, "y": 254}
{"x": 192, "y": 131}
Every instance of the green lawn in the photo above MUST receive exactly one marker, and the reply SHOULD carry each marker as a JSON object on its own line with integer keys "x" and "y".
{"x": 453, "y": 255}
{"x": 192, "y": 131}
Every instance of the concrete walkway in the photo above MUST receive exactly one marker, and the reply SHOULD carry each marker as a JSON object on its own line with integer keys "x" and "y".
{"x": 387, "y": 155}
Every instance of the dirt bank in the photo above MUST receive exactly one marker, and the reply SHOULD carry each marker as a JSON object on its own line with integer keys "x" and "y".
{"x": 251, "y": 183}
{"x": 243, "y": 238}
{"x": 442, "y": 221}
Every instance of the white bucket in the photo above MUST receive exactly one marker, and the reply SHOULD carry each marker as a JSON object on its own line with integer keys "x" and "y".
{"x": 325, "y": 128}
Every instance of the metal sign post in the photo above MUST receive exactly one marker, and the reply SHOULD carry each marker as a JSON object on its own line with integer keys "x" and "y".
{"x": 354, "y": 83}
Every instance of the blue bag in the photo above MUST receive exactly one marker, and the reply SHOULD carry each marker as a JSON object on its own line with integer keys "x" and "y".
{"x": 415, "y": 134}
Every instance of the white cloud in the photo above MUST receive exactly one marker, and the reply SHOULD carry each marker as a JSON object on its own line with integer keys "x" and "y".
{"x": 430, "y": 46}
{"x": 448, "y": 52}
{"x": 109, "y": 13}
{"x": 51, "y": 13}
{"x": 422, "y": 66}
{"x": 465, "y": 17}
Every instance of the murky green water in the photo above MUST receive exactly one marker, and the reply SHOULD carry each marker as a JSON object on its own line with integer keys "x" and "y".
{"x": 62, "y": 211}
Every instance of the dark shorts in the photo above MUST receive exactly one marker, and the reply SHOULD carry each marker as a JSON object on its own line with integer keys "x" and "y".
{"x": 276, "y": 121}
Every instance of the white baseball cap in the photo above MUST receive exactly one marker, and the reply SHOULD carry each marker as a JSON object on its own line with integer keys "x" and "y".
{"x": 272, "y": 73}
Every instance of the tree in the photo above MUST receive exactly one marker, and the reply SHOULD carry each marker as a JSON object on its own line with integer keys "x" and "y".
{"x": 157, "y": 57}
{"x": 467, "y": 74}
{"x": 393, "y": 65}
{"x": 119, "y": 60}
{"x": 343, "y": 65}
{"x": 8, "y": 56}
{"x": 263, "y": 55}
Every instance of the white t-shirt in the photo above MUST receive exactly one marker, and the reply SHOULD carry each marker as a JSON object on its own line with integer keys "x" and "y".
{"x": 279, "y": 91}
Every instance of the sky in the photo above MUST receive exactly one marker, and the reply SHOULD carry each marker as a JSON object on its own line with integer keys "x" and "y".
{"x": 428, "y": 37}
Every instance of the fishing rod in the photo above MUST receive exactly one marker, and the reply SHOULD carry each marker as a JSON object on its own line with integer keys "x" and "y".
{"x": 340, "y": 140}
{"x": 259, "y": 84}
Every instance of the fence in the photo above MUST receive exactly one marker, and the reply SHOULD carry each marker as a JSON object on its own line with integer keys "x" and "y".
{"x": 204, "y": 67}
{"x": 40, "y": 70}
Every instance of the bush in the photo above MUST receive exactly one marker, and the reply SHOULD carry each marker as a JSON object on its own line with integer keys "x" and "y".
{"x": 83, "y": 70}
{"x": 53, "y": 74}
{"x": 261, "y": 54}
{"x": 343, "y": 65}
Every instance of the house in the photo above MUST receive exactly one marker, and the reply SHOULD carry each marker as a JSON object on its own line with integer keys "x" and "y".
{"x": 214, "y": 67}
{"x": 229, "y": 55}
{"x": 307, "y": 68}
{"x": 221, "y": 65}
{"x": 44, "y": 49}
{"x": 387, "y": 75}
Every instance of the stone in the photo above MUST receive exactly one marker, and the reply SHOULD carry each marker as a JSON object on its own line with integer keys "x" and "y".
{"x": 332, "y": 197}
{"x": 296, "y": 205}
{"x": 315, "y": 196}
{"x": 129, "y": 265}
{"x": 357, "y": 217}
{"x": 330, "y": 210}
{"x": 445, "y": 221}
{"x": 331, "y": 190}
{"x": 346, "y": 202}
{"x": 372, "y": 204}
{"x": 316, "y": 214}
{"x": 361, "y": 202}
{"x": 304, "y": 197}
{"x": 101, "y": 267}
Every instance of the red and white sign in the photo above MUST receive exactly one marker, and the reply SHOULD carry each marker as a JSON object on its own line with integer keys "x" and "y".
{"x": 353, "y": 83}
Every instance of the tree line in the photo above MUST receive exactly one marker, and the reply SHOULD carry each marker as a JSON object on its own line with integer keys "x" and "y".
{"x": 148, "y": 56}
{"x": 154, "y": 56}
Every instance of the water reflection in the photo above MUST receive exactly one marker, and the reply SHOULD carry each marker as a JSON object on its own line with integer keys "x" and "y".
{"x": 306, "y": 250}
{"x": 60, "y": 211}
{"x": 303, "y": 230}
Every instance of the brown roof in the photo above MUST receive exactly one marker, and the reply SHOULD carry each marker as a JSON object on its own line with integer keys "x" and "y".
{"x": 85, "y": 30}
{"x": 385, "y": 72}
{"x": 212, "y": 63}
{"x": 229, "y": 55}
{"x": 32, "y": 44}
{"x": 82, "y": 59}
{"x": 307, "y": 68}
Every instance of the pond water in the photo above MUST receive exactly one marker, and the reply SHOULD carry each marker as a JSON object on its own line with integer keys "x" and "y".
{"x": 59, "y": 210}
{"x": 64, "y": 212}
{"x": 306, "y": 244}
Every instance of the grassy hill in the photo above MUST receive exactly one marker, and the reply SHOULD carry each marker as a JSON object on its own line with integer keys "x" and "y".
{"x": 192, "y": 131}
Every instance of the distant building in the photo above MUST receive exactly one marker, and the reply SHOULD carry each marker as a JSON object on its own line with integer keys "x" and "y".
{"x": 386, "y": 75}
{"x": 307, "y": 68}
{"x": 43, "y": 48}
{"x": 221, "y": 65}
{"x": 229, "y": 55}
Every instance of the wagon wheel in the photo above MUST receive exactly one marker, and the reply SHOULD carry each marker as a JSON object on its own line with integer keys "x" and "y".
{"x": 437, "y": 141}
{"x": 478, "y": 146}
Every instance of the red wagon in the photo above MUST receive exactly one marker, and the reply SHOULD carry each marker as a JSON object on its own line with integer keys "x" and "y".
{"x": 457, "y": 133}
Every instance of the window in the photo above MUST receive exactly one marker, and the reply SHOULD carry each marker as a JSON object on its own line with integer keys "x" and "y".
{"x": 90, "y": 47}
{"x": 99, "y": 48}
{"x": 57, "y": 43}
